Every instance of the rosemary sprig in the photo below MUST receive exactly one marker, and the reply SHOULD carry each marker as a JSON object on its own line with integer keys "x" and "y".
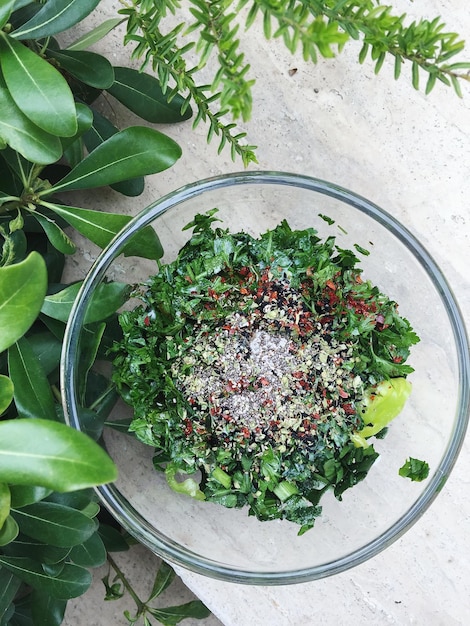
{"x": 317, "y": 27}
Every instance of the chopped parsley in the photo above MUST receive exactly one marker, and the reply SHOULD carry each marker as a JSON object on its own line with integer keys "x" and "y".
{"x": 414, "y": 469}
{"x": 258, "y": 368}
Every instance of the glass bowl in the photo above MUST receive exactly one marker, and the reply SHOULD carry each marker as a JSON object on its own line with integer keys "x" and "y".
{"x": 225, "y": 543}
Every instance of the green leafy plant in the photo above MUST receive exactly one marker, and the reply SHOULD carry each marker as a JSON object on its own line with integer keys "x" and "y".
{"x": 169, "y": 616}
{"x": 319, "y": 28}
{"x": 53, "y": 140}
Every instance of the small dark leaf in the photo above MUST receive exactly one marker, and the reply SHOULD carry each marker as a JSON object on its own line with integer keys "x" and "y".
{"x": 47, "y": 349}
{"x": 112, "y": 538}
{"x": 32, "y": 394}
{"x": 22, "y": 495}
{"x": 91, "y": 553}
{"x": 88, "y": 67}
{"x": 89, "y": 343}
{"x": 9, "y": 585}
{"x": 72, "y": 582}
{"x": 75, "y": 499}
{"x": 165, "y": 576}
{"x": 114, "y": 590}
{"x": 54, "y": 524}
{"x": 41, "y": 552}
{"x": 47, "y": 610}
{"x": 173, "y": 615}
{"x": 142, "y": 94}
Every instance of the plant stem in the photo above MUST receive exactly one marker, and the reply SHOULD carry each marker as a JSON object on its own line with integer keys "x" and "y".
{"x": 120, "y": 574}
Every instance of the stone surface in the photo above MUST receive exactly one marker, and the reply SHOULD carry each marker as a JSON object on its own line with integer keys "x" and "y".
{"x": 410, "y": 154}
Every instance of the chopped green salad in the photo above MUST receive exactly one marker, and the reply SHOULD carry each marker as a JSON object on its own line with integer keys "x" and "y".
{"x": 259, "y": 369}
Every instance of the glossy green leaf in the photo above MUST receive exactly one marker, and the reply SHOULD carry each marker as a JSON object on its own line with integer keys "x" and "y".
{"x": 22, "y": 495}
{"x": 54, "y": 524}
{"x": 5, "y": 501}
{"x": 84, "y": 122}
{"x": 165, "y": 576}
{"x": 55, "y": 569}
{"x": 37, "y": 550}
{"x": 47, "y": 349}
{"x": 9, "y": 531}
{"x": 108, "y": 298}
{"x": 14, "y": 246}
{"x": 22, "y": 290}
{"x": 51, "y": 454}
{"x": 134, "y": 151}
{"x": 142, "y": 94}
{"x": 55, "y": 17}
{"x": 56, "y": 327}
{"x": 71, "y": 583}
{"x": 99, "y": 132}
{"x": 112, "y": 539}
{"x": 37, "y": 88}
{"x": 89, "y": 344}
{"x": 95, "y": 35}
{"x": 88, "y": 67}
{"x": 6, "y": 393}
{"x": 91, "y": 553}
{"x": 32, "y": 394}
{"x": 30, "y": 4}
{"x": 47, "y": 610}
{"x": 92, "y": 509}
{"x": 19, "y": 132}
{"x": 9, "y": 585}
{"x": 5, "y": 11}
{"x": 101, "y": 228}
{"x": 60, "y": 240}
{"x": 74, "y": 499}
{"x": 172, "y": 615}
{"x": 91, "y": 423}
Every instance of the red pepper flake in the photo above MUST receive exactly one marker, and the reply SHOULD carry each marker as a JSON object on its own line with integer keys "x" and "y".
{"x": 245, "y": 432}
{"x": 188, "y": 427}
{"x": 147, "y": 320}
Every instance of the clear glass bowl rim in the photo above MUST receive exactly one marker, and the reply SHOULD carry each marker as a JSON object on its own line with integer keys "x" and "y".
{"x": 130, "y": 519}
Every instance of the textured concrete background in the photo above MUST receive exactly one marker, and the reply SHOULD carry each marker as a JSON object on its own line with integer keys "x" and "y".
{"x": 410, "y": 154}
